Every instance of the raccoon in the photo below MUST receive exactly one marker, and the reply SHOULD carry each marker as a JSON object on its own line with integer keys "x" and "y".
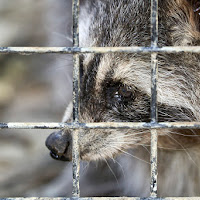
{"x": 116, "y": 87}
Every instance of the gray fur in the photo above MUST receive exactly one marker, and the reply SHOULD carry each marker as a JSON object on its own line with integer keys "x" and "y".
{"x": 116, "y": 87}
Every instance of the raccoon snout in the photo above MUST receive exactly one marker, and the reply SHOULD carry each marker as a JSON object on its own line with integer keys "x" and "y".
{"x": 60, "y": 145}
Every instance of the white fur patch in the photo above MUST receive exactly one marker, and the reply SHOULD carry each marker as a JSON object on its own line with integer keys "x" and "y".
{"x": 68, "y": 112}
{"x": 84, "y": 28}
{"x": 103, "y": 69}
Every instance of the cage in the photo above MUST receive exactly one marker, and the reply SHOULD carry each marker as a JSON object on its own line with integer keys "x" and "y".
{"x": 76, "y": 125}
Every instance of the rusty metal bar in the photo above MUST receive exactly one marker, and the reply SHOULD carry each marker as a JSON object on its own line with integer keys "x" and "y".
{"x": 154, "y": 111}
{"x": 102, "y": 198}
{"x": 101, "y": 125}
{"x": 76, "y": 88}
{"x": 71, "y": 50}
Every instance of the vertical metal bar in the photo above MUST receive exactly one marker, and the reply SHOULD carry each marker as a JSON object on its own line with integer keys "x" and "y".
{"x": 154, "y": 77}
{"x": 154, "y": 60}
{"x": 76, "y": 60}
{"x": 154, "y": 172}
{"x": 76, "y": 164}
{"x": 76, "y": 89}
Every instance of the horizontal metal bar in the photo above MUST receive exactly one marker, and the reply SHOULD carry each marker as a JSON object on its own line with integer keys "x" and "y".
{"x": 100, "y": 125}
{"x": 102, "y": 198}
{"x": 70, "y": 50}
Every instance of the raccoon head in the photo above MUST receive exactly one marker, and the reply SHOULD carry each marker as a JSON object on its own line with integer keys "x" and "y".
{"x": 116, "y": 87}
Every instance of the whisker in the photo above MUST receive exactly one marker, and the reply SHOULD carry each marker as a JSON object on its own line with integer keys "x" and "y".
{"x": 110, "y": 169}
{"x": 128, "y": 135}
{"x": 146, "y": 149}
{"x": 63, "y": 36}
{"x": 124, "y": 142}
{"x": 184, "y": 149}
{"x": 121, "y": 168}
{"x": 130, "y": 154}
{"x": 115, "y": 161}
{"x": 131, "y": 138}
{"x": 167, "y": 148}
{"x": 146, "y": 145}
{"x": 84, "y": 169}
{"x": 181, "y": 134}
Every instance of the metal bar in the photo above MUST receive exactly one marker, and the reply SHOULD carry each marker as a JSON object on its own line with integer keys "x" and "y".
{"x": 154, "y": 111}
{"x": 76, "y": 60}
{"x": 102, "y": 198}
{"x": 76, "y": 88}
{"x": 101, "y": 125}
{"x": 76, "y": 163}
{"x": 154, "y": 78}
{"x": 71, "y": 50}
{"x": 154, "y": 23}
{"x": 154, "y": 155}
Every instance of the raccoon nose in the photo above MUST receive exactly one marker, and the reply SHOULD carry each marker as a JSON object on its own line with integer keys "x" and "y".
{"x": 59, "y": 144}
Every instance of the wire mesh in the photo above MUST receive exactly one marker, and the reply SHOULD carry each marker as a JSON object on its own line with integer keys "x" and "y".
{"x": 153, "y": 125}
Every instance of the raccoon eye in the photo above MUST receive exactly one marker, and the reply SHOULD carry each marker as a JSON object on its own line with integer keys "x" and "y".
{"x": 125, "y": 92}
{"x": 116, "y": 94}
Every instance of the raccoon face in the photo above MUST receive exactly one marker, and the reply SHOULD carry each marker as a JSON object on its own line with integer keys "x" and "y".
{"x": 116, "y": 87}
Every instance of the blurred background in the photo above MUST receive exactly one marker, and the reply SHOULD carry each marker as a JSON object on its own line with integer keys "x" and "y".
{"x": 37, "y": 88}
{"x": 33, "y": 88}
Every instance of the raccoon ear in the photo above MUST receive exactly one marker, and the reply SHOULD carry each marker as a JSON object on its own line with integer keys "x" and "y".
{"x": 184, "y": 22}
